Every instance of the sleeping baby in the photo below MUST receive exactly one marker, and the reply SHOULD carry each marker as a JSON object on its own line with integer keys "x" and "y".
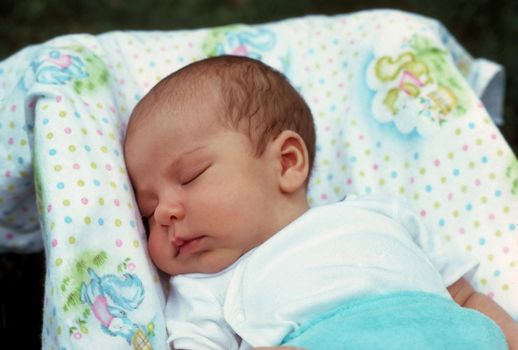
{"x": 220, "y": 154}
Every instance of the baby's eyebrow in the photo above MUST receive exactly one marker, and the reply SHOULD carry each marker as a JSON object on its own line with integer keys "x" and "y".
{"x": 181, "y": 158}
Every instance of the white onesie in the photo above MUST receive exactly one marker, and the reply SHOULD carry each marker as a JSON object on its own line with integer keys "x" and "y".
{"x": 328, "y": 256}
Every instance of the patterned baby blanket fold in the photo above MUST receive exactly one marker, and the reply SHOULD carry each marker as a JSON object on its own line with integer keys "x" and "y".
{"x": 399, "y": 321}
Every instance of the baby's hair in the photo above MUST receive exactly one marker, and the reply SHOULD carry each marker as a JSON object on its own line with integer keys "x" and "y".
{"x": 258, "y": 99}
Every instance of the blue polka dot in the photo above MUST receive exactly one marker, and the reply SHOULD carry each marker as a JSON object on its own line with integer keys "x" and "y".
{"x": 52, "y": 152}
{"x": 126, "y": 188}
{"x": 442, "y": 222}
{"x": 378, "y": 144}
{"x": 332, "y": 108}
{"x": 116, "y": 152}
{"x": 132, "y": 223}
{"x": 496, "y": 273}
{"x": 100, "y": 221}
{"x": 498, "y": 193}
{"x": 456, "y": 172}
{"x": 428, "y": 188}
{"x": 353, "y": 159}
{"x": 322, "y": 81}
{"x": 471, "y": 125}
{"x": 330, "y": 176}
{"x": 20, "y": 160}
{"x": 416, "y": 156}
{"x": 88, "y": 148}
{"x": 77, "y": 115}
{"x": 97, "y": 183}
{"x": 483, "y": 159}
{"x": 368, "y": 189}
{"x": 393, "y": 174}
{"x": 482, "y": 241}
{"x": 512, "y": 227}
{"x": 68, "y": 219}
{"x": 469, "y": 206}
{"x": 60, "y": 185}
{"x": 45, "y": 121}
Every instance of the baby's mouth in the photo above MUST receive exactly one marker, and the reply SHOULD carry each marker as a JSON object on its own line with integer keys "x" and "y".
{"x": 188, "y": 246}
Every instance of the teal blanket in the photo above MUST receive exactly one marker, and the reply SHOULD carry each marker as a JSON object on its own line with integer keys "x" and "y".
{"x": 406, "y": 320}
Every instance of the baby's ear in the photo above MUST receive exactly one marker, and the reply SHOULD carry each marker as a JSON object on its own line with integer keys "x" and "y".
{"x": 292, "y": 155}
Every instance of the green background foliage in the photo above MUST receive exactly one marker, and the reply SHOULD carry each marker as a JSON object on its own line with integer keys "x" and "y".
{"x": 486, "y": 28}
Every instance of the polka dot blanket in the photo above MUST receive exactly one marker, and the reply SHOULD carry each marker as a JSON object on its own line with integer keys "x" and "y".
{"x": 397, "y": 106}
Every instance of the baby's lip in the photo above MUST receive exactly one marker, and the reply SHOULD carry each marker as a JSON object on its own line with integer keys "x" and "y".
{"x": 187, "y": 246}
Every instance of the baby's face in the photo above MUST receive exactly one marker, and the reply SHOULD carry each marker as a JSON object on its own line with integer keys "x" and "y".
{"x": 205, "y": 195}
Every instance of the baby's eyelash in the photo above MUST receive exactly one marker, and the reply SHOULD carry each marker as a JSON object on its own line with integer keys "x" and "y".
{"x": 145, "y": 222}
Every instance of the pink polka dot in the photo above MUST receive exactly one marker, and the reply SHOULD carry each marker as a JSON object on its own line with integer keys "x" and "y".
{"x": 49, "y": 208}
{"x": 450, "y": 196}
{"x": 131, "y": 266}
{"x": 375, "y": 167}
{"x": 491, "y": 295}
{"x": 412, "y": 180}
{"x": 9, "y": 236}
{"x": 84, "y": 200}
{"x": 338, "y": 154}
{"x": 465, "y": 147}
{"x": 54, "y": 243}
{"x": 462, "y": 231}
{"x": 99, "y": 132}
{"x": 117, "y": 202}
{"x": 505, "y": 250}
{"x": 437, "y": 162}
{"x": 422, "y": 213}
{"x": 68, "y": 131}
{"x": 13, "y": 108}
{"x": 477, "y": 182}
{"x": 10, "y": 141}
{"x": 118, "y": 243}
{"x": 76, "y": 166}
{"x": 108, "y": 167}
{"x": 361, "y": 137}
{"x": 493, "y": 136}
{"x": 491, "y": 216}
{"x": 323, "y": 196}
{"x": 7, "y": 173}
{"x": 349, "y": 181}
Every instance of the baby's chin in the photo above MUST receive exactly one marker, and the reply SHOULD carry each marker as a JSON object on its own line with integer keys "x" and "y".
{"x": 206, "y": 263}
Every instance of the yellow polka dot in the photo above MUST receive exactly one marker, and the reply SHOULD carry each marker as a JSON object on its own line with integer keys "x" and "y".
{"x": 58, "y": 167}
{"x": 483, "y": 199}
{"x": 444, "y": 180}
{"x": 451, "y": 155}
{"x": 23, "y": 142}
{"x": 93, "y": 165}
{"x": 101, "y": 201}
{"x": 118, "y": 223}
{"x": 476, "y": 224}
{"x": 490, "y": 257}
{"x": 104, "y": 149}
{"x": 62, "y": 114}
{"x": 498, "y": 233}
{"x": 455, "y": 213}
{"x": 136, "y": 243}
{"x": 50, "y": 135}
{"x": 59, "y": 261}
{"x": 58, "y": 331}
{"x": 458, "y": 131}
{"x": 71, "y": 240}
{"x": 72, "y": 148}
{"x": 113, "y": 184}
{"x": 483, "y": 281}
{"x": 505, "y": 287}
{"x": 80, "y": 183}
{"x": 87, "y": 220}
{"x": 66, "y": 202}
{"x": 422, "y": 171}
